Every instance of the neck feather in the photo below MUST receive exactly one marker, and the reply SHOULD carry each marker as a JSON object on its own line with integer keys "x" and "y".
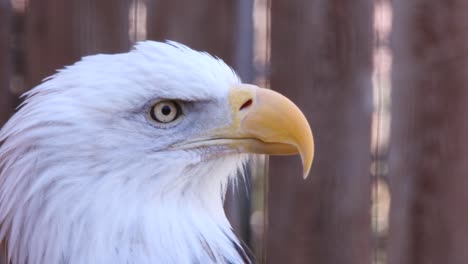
{"x": 116, "y": 219}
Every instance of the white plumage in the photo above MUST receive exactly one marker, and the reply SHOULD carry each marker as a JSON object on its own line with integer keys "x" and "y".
{"x": 87, "y": 177}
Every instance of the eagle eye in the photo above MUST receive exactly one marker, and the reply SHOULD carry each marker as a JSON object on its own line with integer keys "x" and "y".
{"x": 165, "y": 111}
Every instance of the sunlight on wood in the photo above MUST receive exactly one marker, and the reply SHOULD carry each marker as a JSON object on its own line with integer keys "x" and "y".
{"x": 137, "y": 19}
{"x": 380, "y": 129}
{"x": 259, "y": 167}
{"x": 18, "y": 5}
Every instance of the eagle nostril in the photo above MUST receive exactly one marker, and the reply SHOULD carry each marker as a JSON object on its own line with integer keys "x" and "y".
{"x": 246, "y": 104}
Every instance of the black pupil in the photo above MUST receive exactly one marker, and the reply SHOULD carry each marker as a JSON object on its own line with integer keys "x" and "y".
{"x": 166, "y": 110}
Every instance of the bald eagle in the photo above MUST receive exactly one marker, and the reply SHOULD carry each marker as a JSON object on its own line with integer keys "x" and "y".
{"x": 125, "y": 158}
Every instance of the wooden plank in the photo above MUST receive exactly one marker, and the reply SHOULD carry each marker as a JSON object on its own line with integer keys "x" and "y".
{"x": 5, "y": 70}
{"x": 6, "y": 107}
{"x": 59, "y": 33}
{"x": 321, "y": 53}
{"x": 6, "y": 96}
{"x": 428, "y": 157}
{"x": 203, "y": 25}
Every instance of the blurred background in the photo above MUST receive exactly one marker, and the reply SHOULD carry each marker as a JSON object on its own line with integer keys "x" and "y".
{"x": 381, "y": 82}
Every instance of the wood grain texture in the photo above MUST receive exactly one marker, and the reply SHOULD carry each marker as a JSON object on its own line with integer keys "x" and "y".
{"x": 6, "y": 96}
{"x": 321, "y": 55}
{"x": 207, "y": 25}
{"x": 428, "y": 155}
{"x": 6, "y": 107}
{"x": 59, "y": 33}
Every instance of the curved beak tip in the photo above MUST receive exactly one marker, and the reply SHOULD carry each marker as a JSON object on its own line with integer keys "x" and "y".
{"x": 306, "y": 152}
{"x": 306, "y": 169}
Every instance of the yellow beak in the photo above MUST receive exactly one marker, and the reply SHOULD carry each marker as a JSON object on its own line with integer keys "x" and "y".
{"x": 270, "y": 123}
{"x": 263, "y": 122}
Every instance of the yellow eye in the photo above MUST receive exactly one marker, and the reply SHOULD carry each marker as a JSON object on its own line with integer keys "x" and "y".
{"x": 165, "y": 111}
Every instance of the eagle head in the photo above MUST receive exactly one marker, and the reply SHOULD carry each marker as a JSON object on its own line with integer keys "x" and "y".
{"x": 125, "y": 158}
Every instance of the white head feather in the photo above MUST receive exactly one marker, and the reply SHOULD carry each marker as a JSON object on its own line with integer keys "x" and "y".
{"x": 86, "y": 177}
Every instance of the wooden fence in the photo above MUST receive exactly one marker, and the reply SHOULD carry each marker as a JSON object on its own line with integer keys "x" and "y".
{"x": 323, "y": 55}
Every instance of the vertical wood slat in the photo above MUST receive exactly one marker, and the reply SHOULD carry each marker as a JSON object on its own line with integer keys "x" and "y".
{"x": 59, "y": 33}
{"x": 6, "y": 97}
{"x": 428, "y": 156}
{"x": 5, "y": 73}
{"x": 206, "y": 25}
{"x": 212, "y": 26}
{"x": 321, "y": 53}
